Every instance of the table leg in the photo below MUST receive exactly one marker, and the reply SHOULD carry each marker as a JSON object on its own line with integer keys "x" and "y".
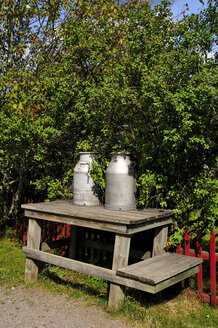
{"x": 120, "y": 259}
{"x": 33, "y": 241}
{"x": 160, "y": 240}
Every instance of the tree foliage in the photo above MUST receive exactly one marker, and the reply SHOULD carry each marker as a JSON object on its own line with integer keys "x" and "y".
{"x": 112, "y": 77}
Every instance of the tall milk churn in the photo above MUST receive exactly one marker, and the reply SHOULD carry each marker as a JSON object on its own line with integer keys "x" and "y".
{"x": 120, "y": 183}
{"x": 84, "y": 188}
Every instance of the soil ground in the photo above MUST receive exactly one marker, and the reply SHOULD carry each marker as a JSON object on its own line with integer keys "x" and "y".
{"x": 36, "y": 308}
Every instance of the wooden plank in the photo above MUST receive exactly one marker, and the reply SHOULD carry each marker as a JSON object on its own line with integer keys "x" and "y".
{"x": 120, "y": 259}
{"x": 109, "y": 248}
{"x": 100, "y": 225}
{"x": 158, "y": 261}
{"x": 121, "y": 252}
{"x": 132, "y": 229}
{"x": 180, "y": 277}
{"x": 98, "y": 213}
{"x": 162, "y": 270}
{"x": 166, "y": 270}
{"x": 159, "y": 268}
{"x": 166, "y": 262}
{"x": 137, "y": 271}
{"x": 48, "y": 245}
{"x": 81, "y": 222}
{"x": 33, "y": 241}
{"x": 154, "y": 261}
{"x": 106, "y": 274}
{"x": 160, "y": 240}
{"x": 68, "y": 208}
{"x": 122, "y": 215}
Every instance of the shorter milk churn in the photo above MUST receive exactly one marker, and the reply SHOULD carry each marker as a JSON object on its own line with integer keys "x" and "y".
{"x": 120, "y": 183}
{"x": 83, "y": 184}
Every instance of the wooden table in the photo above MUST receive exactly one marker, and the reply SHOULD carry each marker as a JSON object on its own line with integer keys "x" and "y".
{"x": 123, "y": 224}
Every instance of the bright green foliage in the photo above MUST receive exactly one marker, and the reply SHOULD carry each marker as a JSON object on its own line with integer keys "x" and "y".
{"x": 98, "y": 171}
{"x": 151, "y": 189}
{"x": 28, "y": 39}
{"x": 120, "y": 78}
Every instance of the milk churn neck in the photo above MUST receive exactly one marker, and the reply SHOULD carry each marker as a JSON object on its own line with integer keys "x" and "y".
{"x": 87, "y": 156}
{"x": 88, "y": 153}
{"x": 120, "y": 155}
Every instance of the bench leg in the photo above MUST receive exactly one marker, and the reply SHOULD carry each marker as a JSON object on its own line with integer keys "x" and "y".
{"x": 33, "y": 241}
{"x": 120, "y": 260}
{"x": 160, "y": 240}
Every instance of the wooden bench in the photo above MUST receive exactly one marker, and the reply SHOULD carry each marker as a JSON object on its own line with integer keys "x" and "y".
{"x": 162, "y": 271}
{"x": 150, "y": 275}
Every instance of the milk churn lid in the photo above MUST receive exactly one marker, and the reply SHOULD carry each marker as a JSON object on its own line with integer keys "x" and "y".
{"x": 88, "y": 152}
{"x": 120, "y": 153}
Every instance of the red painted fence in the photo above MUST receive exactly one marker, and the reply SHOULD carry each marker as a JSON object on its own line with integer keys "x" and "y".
{"x": 210, "y": 256}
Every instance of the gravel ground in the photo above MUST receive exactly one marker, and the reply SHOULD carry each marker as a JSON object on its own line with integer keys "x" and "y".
{"x": 34, "y": 308}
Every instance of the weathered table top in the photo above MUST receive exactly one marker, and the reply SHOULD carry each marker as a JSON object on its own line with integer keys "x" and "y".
{"x": 124, "y": 222}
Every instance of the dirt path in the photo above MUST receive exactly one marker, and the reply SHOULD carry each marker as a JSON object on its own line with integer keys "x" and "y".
{"x": 34, "y": 308}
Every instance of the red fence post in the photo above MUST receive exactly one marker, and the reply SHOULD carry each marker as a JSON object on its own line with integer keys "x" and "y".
{"x": 179, "y": 249}
{"x": 68, "y": 231}
{"x": 213, "y": 269}
{"x": 187, "y": 253}
{"x": 200, "y": 273}
{"x": 58, "y": 232}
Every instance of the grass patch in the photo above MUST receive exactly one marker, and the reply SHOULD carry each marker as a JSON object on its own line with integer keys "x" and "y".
{"x": 184, "y": 312}
{"x": 167, "y": 309}
{"x": 12, "y": 262}
{"x": 75, "y": 285}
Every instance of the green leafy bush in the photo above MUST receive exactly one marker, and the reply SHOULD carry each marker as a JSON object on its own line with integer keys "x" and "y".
{"x": 120, "y": 78}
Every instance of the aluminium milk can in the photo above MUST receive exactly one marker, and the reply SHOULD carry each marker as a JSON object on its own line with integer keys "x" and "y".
{"x": 84, "y": 188}
{"x": 120, "y": 183}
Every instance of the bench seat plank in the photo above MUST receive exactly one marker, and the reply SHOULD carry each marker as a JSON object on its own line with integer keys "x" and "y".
{"x": 159, "y": 268}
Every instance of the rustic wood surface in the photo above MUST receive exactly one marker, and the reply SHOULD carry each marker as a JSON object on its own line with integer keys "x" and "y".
{"x": 33, "y": 241}
{"x": 79, "y": 221}
{"x": 106, "y": 274}
{"x": 159, "y": 268}
{"x": 48, "y": 245}
{"x": 151, "y": 275}
{"x": 120, "y": 259}
{"x": 97, "y": 213}
{"x": 179, "y": 277}
{"x": 160, "y": 240}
